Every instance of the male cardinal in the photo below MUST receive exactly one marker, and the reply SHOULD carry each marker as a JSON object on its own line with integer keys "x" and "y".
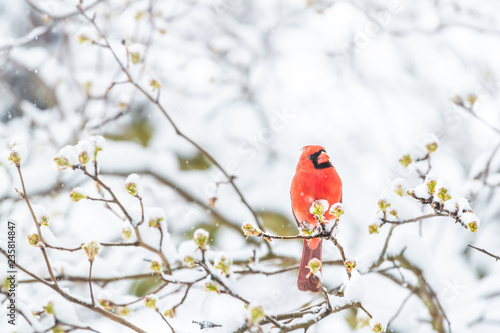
{"x": 315, "y": 179}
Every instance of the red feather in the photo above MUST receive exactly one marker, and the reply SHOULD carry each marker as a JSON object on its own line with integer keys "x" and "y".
{"x": 315, "y": 179}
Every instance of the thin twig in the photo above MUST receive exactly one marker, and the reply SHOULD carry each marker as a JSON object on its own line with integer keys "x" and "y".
{"x": 183, "y": 298}
{"x": 342, "y": 254}
{"x": 165, "y": 320}
{"x": 107, "y": 188}
{"x": 413, "y": 220}
{"x": 400, "y": 308}
{"x": 365, "y": 311}
{"x": 384, "y": 249}
{"x": 41, "y": 244}
{"x": 471, "y": 111}
{"x": 90, "y": 284}
{"x": 323, "y": 313}
{"x": 487, "y": 169}
{"x": 219, "y": 280}
{"x": 142, "y": 213}
{"x": 25, "y": 197}
{"x": 486, "y": 252}
{"x": 82, "y": 279}
{"x": 99, "y": 199}
{"x": 49, "y": 267}
{"x": 115, "y": 200}
{"x": 325, "y": 295}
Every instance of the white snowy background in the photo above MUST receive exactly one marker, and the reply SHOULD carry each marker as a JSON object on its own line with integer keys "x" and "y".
{"x": 253, "y": 82}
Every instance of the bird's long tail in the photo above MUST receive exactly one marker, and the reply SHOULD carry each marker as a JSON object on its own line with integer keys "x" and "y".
{"x": 312, "y": 249}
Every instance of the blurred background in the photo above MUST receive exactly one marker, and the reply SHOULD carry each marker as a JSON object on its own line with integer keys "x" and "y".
{"x": 252, "y": 82}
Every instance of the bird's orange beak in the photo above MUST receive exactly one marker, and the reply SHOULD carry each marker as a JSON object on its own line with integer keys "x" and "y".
{"x": 323, "y": 158}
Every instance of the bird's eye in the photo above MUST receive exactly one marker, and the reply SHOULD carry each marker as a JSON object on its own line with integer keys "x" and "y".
{"x": 314, "y": 157}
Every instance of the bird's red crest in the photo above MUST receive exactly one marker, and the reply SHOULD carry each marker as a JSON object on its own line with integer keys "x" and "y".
{"x": 311, "y": 149}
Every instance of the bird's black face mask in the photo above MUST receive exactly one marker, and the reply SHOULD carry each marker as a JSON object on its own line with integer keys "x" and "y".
{"x": 314, "y": 159}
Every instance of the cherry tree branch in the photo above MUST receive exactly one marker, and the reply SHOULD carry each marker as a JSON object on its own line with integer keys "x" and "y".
{"x": 155, "y": 101}
{"x": 218, "y": 217}
{"x": 41, "y": 243}
{"x": 74, "y": 300}
{"x": 438, "y": 208}
{"x": 90, "y": 284}
{"x": 115, "y": 200}
{"x": 222, "y": 282}
{"x": 484, "y": 251}
{"x": 470, "y": 110}
{"x": 413, "y": 220}
{"x": 424, "y": 291}
{"x": 342, "y": 255}
{"x": 165, "y": 320}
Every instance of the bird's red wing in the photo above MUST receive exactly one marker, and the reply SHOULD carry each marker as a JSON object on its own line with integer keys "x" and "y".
{"x": 295, "y": 187}
{"x": 295, "y": 217}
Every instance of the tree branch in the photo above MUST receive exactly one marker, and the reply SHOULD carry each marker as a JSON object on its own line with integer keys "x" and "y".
{"x": 484, "y": 251}
{"x": 72, "y": 299}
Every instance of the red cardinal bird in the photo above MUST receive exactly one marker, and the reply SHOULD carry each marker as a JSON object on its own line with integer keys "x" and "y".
{"x": 315, "y": 179}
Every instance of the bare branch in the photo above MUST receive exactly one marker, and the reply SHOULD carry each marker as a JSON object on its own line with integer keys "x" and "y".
{"x": 72, "y": 299}
{"x": 484, "y": 251}
{"x": 154, "y": 100}
{"x": 413, "y": 220}
{"x": 90, "y": 284}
